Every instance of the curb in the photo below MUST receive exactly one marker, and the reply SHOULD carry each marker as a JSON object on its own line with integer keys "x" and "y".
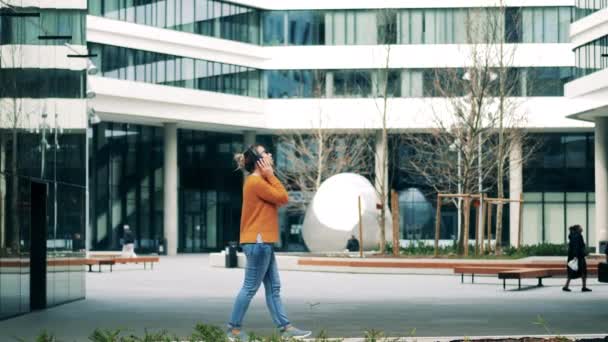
{"x": 469, "y": 338}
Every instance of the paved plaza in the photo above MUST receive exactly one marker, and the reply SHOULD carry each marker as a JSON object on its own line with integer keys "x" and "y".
{"x": 183, "y": 290}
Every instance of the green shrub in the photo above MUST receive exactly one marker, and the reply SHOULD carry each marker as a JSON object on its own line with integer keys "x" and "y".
{"x": 419, "y": 248}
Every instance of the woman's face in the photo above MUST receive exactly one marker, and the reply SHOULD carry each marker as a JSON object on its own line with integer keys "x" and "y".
{"x": 266, "y": 155}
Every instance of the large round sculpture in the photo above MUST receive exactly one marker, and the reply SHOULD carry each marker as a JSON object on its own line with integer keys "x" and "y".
{"x": 333, "y": 214}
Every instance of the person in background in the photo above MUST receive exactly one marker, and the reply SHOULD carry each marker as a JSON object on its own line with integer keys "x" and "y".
{"x": 353, "y": 244}
{"x": 263, "y": 194}
{"x": 576, "y": 249}
{"x": 128, "y": 243}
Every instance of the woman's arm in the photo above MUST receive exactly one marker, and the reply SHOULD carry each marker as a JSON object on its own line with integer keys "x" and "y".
{"x": 270, "y": 190}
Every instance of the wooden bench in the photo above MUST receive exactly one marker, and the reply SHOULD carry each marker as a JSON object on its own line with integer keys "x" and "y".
{"x": 473, "y": 270}
{"x": 136, "y": 260}
{"x": 120, "y": 260}
{"x": 518, "y": 274}
{"x": 96, "y": 261}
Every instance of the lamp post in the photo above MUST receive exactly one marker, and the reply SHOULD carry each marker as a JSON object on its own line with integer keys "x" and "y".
{"x": 92, "y": 119}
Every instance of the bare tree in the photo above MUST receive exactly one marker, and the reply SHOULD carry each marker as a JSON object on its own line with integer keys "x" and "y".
{"x": 477, "y": 122}
{"x": 308, "y": 157}
{"x": 382, "y": 91}
{"x": 14, "y": 117}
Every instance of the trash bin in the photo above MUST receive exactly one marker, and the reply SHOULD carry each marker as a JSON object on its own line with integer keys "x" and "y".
{"x": 603, "y": 247}
{"x": 231, "y": 260}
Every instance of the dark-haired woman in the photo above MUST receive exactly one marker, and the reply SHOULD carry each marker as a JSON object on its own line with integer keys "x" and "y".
{"x": 576, "y": 249}
{"x": 263, "y": 194}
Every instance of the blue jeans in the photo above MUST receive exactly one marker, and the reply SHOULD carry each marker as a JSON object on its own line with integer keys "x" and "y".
{"x": 261, "y": 267}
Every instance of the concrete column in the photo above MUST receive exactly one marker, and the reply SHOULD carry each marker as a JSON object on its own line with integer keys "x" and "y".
{"x": 248, "y": 138}
{"x": 515, "y": 190}
{"x": 329, "y": 84}
{"x": 170, "y": 175}
{"x": 88, "y": 234}
{"x": 601, "y": 180}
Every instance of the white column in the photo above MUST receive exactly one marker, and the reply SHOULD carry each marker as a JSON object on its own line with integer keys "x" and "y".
{"x": 601, "y": 180}
{"x": 170, "y": 188}
{"x": 248, "y": 138}
{"x": 329, "y": 84}
{"x": 88, "y": 234}
{"x": 515, "y": 190}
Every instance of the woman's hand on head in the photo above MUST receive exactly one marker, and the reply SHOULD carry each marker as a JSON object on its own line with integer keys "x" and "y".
{"x": 265, "y": 168}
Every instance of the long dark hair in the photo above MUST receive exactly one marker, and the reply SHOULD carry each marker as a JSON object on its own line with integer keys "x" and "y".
{"x": 246, "y": 161}
{"x": 575, "y": 229}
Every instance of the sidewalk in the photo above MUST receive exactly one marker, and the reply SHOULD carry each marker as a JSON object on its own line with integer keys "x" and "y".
{"x": 183, "y": 290}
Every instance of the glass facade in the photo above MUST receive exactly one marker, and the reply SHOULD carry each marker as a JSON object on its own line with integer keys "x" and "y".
{"x": 20, "y": 30}
{"x": 150, "y": 67}
{"x": 210, "y": 190}
{"x": 554, "y": 199}
{"x": 42, "y": 167}
{"x": 205, "y": 17}
{"x": 126, "y": 185}
{"x": 592, "y": 57}
{"x": 343, "y": 27}
{"x": 60, "y": 166}
{"x": 42, "y": 83}
{"x": 588, "y": 7}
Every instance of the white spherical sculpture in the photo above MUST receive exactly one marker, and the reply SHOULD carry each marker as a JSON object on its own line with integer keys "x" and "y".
{"x": 333, "y": 216}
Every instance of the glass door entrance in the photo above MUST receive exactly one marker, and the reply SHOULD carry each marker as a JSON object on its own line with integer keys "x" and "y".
{"x": 199, "y": 226}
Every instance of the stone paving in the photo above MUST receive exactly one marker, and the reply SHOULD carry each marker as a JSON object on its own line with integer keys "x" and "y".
{"x": 184, "y": 290}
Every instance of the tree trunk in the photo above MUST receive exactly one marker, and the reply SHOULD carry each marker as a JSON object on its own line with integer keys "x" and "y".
{"x": 467, "y": 221}
{"x": 500, "y": 172}
{"x": 320, "y": 147}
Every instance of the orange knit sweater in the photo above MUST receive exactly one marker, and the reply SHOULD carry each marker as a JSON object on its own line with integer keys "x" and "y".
{"x": 261, "y": 199}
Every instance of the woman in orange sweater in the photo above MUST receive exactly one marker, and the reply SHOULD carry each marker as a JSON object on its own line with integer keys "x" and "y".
{"x": 263, "y": 194}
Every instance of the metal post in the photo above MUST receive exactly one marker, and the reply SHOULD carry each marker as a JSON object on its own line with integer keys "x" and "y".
{"x": 480, "y": 217}
{"x": 360, "y": 230}
{"x": 459, "y": 191}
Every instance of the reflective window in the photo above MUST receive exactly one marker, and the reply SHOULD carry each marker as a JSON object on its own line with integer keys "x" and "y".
{"x": 544, "y": 24}
{"x": 295, "y": 83}
{"x": 41, "y": 83}
{"x": 588, "y": 7}
{"x": 306, "y": 28}
{"x": 274, "y": 28}
{"x": 225, "y": 20}
{"x": 592, "y": 57}
{"x": 352, "y": 83}
{"x": 26, "y": 30}
{"x": 150, "y": 67}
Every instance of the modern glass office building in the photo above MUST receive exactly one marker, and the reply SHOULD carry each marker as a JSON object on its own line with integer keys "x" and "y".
{"x": 589, "y": 37}
{"x": 182, "y": 85}
{"x": 219, "y": 75}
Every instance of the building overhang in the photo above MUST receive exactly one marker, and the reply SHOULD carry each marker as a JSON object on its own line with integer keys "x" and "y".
{"x": 589, "y": 96}
{"x": 152, "y": 104}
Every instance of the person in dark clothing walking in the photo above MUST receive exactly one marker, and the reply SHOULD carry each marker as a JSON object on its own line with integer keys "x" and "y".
{"x": 128, "y": 243}
{"x": 353, "y": 244}
{"x": 576, "y": 249}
